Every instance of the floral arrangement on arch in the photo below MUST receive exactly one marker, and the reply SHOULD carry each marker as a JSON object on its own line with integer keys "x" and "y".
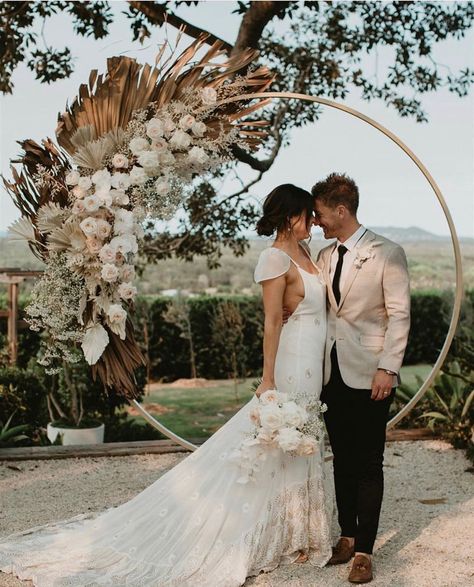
{"x": 129, "y": 148}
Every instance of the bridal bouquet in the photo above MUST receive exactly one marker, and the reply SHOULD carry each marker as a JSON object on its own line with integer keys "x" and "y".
{"x": 279, "y": 424}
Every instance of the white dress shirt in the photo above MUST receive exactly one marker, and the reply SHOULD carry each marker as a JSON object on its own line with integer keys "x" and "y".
{"x": 351, "y": 244}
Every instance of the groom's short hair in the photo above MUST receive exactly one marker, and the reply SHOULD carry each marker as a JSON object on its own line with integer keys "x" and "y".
{"x": 337, "y": 189}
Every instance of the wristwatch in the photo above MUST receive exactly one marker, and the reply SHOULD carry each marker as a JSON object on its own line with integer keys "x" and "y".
{"x": 387, "y": 371}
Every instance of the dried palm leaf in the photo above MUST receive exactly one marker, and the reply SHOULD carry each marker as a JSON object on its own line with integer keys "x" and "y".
{"x": 69, "y": 236}
{"x": 28, "y": 193}
{"x": 21, "y": 230}
{"x": 49, "y": 217}
{"x": 118, "y": 362}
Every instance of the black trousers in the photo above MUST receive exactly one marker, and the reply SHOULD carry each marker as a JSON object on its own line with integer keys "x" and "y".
{"x": 356, "y": 428}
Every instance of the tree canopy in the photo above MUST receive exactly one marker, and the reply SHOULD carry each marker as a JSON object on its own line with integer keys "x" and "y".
{"x": 320, "y": 53}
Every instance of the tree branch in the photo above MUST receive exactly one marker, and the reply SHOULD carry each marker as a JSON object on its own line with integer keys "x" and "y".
{"x": 157, "y": 14}
{"x": 254, "y": 21}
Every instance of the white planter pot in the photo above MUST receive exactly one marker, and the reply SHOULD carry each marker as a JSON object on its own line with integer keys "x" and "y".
{"x": 77, "y": 435}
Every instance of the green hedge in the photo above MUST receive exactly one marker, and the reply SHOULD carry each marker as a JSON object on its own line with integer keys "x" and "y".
{"x": 168, "y": 351}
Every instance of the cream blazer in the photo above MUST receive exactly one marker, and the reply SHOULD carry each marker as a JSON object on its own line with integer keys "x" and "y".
{"x": 372, "y": 321}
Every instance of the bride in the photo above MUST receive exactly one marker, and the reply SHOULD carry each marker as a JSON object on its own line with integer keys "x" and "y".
{"x": 196, "y": 525}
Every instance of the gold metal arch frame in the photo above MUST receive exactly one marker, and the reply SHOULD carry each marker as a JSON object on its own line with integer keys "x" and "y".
{"x": 457, "y": 256}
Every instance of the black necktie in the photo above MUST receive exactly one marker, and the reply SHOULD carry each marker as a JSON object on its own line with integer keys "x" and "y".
{"x": 342, "y": 250}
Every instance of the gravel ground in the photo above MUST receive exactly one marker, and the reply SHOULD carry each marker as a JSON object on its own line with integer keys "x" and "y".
{"x": 419, "y": 545}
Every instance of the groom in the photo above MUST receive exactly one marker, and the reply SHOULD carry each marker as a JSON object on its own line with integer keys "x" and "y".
{"x": 368, "y": 324}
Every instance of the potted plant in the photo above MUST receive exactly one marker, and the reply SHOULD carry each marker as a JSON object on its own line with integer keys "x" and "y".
{"x": 67, "y": 412}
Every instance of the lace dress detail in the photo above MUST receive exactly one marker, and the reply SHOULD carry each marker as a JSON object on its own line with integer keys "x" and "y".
{"x": 195, "y": 526}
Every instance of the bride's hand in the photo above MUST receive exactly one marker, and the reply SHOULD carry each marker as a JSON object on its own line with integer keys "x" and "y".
{"x": 263, "y": 387}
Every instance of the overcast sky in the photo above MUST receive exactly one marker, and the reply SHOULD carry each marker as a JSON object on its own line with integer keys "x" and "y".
{"x": 393, "y": 191}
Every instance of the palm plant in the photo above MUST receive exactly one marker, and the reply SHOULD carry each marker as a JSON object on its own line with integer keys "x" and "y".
{"x": 10, "y": 436}
{"x": 452, "y": 403}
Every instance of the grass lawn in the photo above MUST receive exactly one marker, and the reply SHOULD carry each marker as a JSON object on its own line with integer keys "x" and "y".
{"x": 199, "y": 412}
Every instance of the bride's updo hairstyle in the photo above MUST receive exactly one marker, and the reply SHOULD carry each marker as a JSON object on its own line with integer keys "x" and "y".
{"x": 282, "y": 204}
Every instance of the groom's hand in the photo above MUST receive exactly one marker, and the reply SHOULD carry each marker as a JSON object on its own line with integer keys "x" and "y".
{"x": 285, "y": 314}
{"x": 381, "y": 385}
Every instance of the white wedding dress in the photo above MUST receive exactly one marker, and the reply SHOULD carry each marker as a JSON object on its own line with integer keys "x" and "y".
{"x": 195, "y": 525}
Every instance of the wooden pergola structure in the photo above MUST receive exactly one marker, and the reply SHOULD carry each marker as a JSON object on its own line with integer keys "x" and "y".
{"x": 12, "y": 277}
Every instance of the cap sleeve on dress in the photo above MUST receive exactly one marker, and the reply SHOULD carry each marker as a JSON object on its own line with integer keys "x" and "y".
{"x": 271, "y": 263}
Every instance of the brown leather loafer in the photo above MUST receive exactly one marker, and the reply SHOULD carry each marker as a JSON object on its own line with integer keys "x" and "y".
{"x": 342, "y": 552}
{"x": 361, "y": 571}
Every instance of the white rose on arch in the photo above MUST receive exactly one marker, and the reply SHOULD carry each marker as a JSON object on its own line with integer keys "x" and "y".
{"x": 91, "y": 203}
{"x": 187, "y": 122}
{"x": 72, "y": 178}
{"x": 138, "y": 175}
{"x": 116, "y": 318}
{"x": 108, "y": 254}
{"x": 198, "y": 129}
{"x": 148, "y": 159}
{"x": 127, "y": 291}
{"x": 127, "y": 272}
{"x": 120, "y": 161}
{"x": 124, "y": 221}
{"x": 89, "y": 226}
{"x": 138, "y": 144}
{"x": 154, "y": 128}
{"x": 162, "y": 187}
{"x": 159, "y": 144}
{"x": 84, "y": 182}
{"x": 120, "y": 181}
{"x": 109, "y": 273}
{"x": 198, "y": 155}
{"x": 101, "y": 177}
{"x": 180, "y": 140}
{"x": 208, "y": 96}
{"x": 125, "y": 243}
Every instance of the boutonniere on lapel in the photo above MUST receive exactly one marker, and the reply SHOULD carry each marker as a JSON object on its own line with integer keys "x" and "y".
{"x": 363, "y": 256}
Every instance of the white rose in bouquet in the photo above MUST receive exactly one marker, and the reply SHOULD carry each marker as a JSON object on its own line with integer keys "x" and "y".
{"x": 119, "y": 197}
{"x": 127, "y": 291}
{"x": 120, "y": 181}
{"x": 271, "y": 417}
{"x": 266, "y": 436}
{"x": 198, "y": 129}
{"x": 255, "y": 416}
{"x": 78, "y": 207}
{"x": 294, "y": 415}
{"x": 120, "y": 161}
{"x": 187, "y": 122}
{"x": 139, "y": 144}
{"x": 208, "y": 96}
{"x": 159, "y": 145}
{"x": 72, "y": 178}
{"x": 289, "y": 439}
{"x": 89, "y": 226}
{"x": 161, "y": 187}
{"x": 101, "y": 177}
{"x": 154, "y": 128}
{"x": 138, "y": 175}
{"x": 307, "y": 446}
{"x": 180, "y": 140}
{"x": 94, "y": 244}
{"x": 103, "y": 228}
{"x": 109, "y": 273}
{"x": 269, "y": 397}
{"x": 108, "y": 254}
{"x": 85, "y": 182}
{"x": 127, "y": 272}
{"x": 91, "y": 203}
{"x": 148, "y": 159}
{"x": 198, "y": 155}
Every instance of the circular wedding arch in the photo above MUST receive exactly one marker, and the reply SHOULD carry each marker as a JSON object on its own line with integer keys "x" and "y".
{"x": 454, "y": 239}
